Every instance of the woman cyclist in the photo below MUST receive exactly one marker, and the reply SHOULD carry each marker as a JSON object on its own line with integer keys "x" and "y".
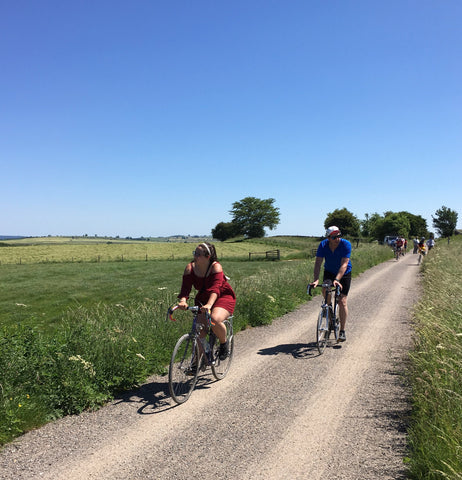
{"x": 214, "y": 293}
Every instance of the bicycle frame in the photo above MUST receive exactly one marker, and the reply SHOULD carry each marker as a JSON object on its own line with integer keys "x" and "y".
{"x": 196, "y": 329}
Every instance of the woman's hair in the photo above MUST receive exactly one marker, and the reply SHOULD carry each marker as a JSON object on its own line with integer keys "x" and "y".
{"x": 209, "y": 250}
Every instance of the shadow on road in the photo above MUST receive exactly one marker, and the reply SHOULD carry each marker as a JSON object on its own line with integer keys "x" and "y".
{"x": 297, "y": 350}
{"x": 154, "y": 397}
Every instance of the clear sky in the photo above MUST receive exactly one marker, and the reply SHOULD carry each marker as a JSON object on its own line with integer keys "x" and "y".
{"x": 150, "y": 118}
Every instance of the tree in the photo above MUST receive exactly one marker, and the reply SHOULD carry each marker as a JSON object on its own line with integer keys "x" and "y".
{"x": 445, "y": 221}
{"x": 349, "y": 225}
{"x": 368, "y": 224}
{"x": 392, "y": 224}
{"x": 251, "y": 215}
{"x": 224, "y": 230}
{"x": 418, "y": 225}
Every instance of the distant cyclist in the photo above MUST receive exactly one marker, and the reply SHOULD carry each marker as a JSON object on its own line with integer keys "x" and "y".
{"x": 399, "y": 245}
{"x": 336, "y": 252}
{"x": 422, "y": 247}
{"x": 430, "y": 243}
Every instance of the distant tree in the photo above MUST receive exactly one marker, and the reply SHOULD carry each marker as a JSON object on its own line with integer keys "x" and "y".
{"x": 418, "y": 225}
{"x": 445, "y": 221}
{"x": 224, "y": 230}
{"x": 342, "y": 218}
{"x": 368, "y": 224}
{"x": 392, "y": 224}
{"x": 251, "y": 215}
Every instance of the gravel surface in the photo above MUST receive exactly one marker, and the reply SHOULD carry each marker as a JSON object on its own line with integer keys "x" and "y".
{"x": 283, "y": 411}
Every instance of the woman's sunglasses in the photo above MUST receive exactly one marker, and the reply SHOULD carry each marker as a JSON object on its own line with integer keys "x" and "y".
{"x": 197, "y": 254}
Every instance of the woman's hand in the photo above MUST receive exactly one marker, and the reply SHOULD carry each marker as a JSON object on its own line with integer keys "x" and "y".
{"x": 182, "y": 305}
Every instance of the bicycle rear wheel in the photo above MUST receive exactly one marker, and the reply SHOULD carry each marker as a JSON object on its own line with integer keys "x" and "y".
{"x": 220, "y": 367}
{"x": 322, "y": 330}
{"x": 183, "y": 371}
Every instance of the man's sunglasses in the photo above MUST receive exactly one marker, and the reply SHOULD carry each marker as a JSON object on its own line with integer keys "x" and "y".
{"x": 335, "y": 236}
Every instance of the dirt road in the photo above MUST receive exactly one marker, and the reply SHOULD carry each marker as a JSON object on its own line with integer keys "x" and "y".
{"x": 283, "y": 412}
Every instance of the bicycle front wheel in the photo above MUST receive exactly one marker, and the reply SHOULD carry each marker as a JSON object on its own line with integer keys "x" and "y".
{"x": 183, "y": 371}
{"x": 322, "y": 330}
{"x": 220, "y": 367}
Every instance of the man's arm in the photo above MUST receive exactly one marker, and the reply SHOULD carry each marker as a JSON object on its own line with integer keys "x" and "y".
{"x": 317, "y": 270}
{"x": 341, "y": 270}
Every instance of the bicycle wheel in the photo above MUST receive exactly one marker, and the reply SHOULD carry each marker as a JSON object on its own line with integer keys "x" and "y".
{"x": 322, "y": 330}
{"x": 182, "y": 377}
{"x": 220, "y": 367}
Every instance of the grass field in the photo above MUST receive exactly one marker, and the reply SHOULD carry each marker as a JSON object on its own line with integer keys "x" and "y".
{"x": 435, "y": 435}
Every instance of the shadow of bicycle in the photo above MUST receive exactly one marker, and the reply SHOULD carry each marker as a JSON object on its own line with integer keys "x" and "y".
{"x": 154, "y": 397}
{"x": 297, "y": 350}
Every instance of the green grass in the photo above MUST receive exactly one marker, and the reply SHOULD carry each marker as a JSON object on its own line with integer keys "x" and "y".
{"x": 435, "y": 436}
{"x": 74, "y": 334}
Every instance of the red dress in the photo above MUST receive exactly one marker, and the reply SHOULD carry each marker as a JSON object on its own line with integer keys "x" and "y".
{"x": 205, "y": 286}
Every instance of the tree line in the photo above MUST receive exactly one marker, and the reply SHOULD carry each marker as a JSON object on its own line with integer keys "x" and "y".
{"x": 252, "y": 215}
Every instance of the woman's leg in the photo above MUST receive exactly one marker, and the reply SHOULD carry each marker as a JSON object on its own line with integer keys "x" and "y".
{"x": 219, "y": 315}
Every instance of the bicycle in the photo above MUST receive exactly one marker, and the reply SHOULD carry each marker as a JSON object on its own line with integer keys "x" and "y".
{"x": 328, "y": 320}
{"x": 193, "y": 353}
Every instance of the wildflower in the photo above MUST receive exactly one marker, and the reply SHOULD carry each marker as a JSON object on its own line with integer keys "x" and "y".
{"x": 86, "y": 365}
{"x": 19, "y": 405}
{"x": 27, "y": 396}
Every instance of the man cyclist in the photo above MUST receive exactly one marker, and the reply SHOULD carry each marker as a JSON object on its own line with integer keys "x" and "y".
{"x": 336, "y": 252}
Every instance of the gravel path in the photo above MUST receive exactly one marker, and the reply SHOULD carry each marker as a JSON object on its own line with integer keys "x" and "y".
{"x": 283, "y": 411}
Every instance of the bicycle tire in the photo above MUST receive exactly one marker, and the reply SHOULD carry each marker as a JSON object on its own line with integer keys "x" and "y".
{"x": 180, "y": 383}
{"x": 221, "y": 367}
{"x": 322, "y": 331}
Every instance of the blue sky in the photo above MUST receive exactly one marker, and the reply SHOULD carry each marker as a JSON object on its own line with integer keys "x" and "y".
{"x": 150, "y": 118}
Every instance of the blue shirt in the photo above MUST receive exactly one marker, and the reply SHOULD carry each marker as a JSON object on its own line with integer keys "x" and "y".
{"x": 333, "y": 259}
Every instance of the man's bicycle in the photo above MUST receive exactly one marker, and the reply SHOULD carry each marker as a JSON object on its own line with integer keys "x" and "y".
{"x": 328, "y": 320}
{"x": 193, "y": 354}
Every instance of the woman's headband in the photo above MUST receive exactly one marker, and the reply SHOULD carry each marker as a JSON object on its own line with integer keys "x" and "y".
{"x": 208, "y": 249}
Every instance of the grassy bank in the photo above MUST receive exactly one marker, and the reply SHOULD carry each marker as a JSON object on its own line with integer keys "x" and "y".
{"x": 87, "y": 331}
{"x": 435, "y": 436}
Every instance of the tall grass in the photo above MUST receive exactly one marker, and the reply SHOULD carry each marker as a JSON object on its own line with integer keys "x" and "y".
{"x": 112, "y": 342}
{"x": 435, "y": 436}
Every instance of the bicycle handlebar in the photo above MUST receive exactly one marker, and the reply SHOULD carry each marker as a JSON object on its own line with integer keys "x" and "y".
{"x": 327, "y": 284}
{"x": 195, "y": 310}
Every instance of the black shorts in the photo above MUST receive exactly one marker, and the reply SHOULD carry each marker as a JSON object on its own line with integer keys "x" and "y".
{"x": 345, "y": 281}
